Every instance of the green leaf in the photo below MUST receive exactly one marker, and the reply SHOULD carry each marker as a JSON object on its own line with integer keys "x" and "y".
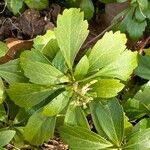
{"x": 11, "y": 72}
{"x": 82, "y": 68}
{"x": 28, "y": 95}
{"x": 143, "y": 69}
{"x": 82, "y": 139}
{"x": 37, "y": 4}
{"x": 34, "y": 56}
{"x": 142, "y": 125}
{"x": 6, "y": 137}
{"x": 2, "y": 91}
{"x": 14, "y": 6}
{"x": 39, "y": 128}
{"x": 140, "y": 140}
{"x": 120, "y": 68}
{"x": 110, "y": 119}
{"x": 47, "y": 44}
{"x": 3, "y": 49}
{"x": 106, "y": 50}
{"x": 135, "y": 109}
{"x": 57, "y": 104}
{"x": 70, "y": 33}
{"x": 107, "y": 88}
{"x": 2, "y": 113}
{"x": 88, "y": 8}
{"x": 132, "y": 27}
{"x": 41, "y": 72}
{"x": 75, "y": 116}
{"x": 59, "y": 62}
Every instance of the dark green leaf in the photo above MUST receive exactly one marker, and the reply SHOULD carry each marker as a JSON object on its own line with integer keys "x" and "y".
{"x": 143, "y": 69}
{"x": 82, "y": 139}
{"x": 39, "y": 5}
{"x": 6, "y": 137}
{"x": 57, "y": 104}
{"x": 11, "y": 72}
{"x": 110, "y": 119}
{"x": 75, "y": 116}
{"x": 27, "y": 95}
{"x": 39, "y": 128}
{"x": 138, "y": 141}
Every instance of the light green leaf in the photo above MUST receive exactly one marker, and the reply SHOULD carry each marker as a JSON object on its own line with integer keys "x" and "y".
{"x": 120, "y": 68}
{"x": 47, "y": 44}
{"x": 6, "y": 137}
{"x": 106, "y": 50}
{"x": 39, "y": 128}
{"x": 15, "y": 6}
{"x": 110, "y": 119}
{"x": 140, "y": 140}
{"x": 28, "y": 95}
{"x": 107, "y": 88}
{"x": 143, "y": 69}
{"x": 11, "y": 72}
{"x": 75, "y": 116}
{"x": 70, "y": 33}
{"x": 37, "y": 4}
{"x": 3, "y": 49}
{"x": 79, "y": 138}
{"x": 2, "y": 91}
{"x": 88, "y": 8}
{"x": 82, "y": 68}
{"x": 56, "y": 105}
{"x": 39, "y": 70}
{"x": 34, "y": 56}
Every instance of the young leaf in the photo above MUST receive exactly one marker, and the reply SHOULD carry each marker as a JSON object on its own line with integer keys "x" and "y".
{"x": 107, "y": 88}
{"x": 47, "y": 44}
{"x": 6, "y": 137}
{"x": 38, "y": 5}
{"x": 120, "y": 68}
{"x": 106, "y": 50}
{"x": 11, "y": 72}
{"x": 79, "y": 138}
{"x": 2, "y": 91}
{"x": 70, "y": 33}
{"x": 56, "y": 105}
{"x": 140, "y": 140}
{"x": 82, "y": 68}
{"x": 28, "y": 95}
{"x": 3, "y": 49}
{"x": 15, "y": 6}
{"x": 39, "y": 128}
{"x": 75, "y": 116}
{"x": 110, "y": 119}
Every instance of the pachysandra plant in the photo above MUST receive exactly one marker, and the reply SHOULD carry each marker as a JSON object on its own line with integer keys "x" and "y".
{"x": 58, "y": 87}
